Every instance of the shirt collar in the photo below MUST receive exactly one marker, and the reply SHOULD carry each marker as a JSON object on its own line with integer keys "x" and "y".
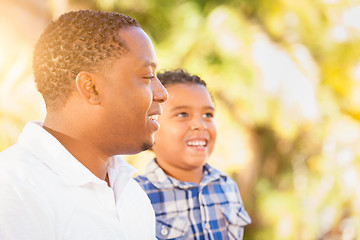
{"x": 54, "y": 155}
{"x": 163, "y": 181}
{"x": 120, "y": 173}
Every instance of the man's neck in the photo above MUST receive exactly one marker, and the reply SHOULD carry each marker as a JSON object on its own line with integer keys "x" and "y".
{"x": 84, "y": 152}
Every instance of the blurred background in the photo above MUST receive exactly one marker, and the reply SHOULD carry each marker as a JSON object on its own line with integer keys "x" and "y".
{"x": 285, "y": 76}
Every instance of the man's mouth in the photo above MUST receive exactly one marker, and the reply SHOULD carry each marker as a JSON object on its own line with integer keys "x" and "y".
{"x": 154, "y": 117}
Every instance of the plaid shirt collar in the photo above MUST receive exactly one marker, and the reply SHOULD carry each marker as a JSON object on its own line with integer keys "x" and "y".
{"x": 162, "y": 181}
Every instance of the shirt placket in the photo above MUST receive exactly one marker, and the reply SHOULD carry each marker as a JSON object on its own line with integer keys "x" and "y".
{"x": 205, "y": 218}
{"x": 107, "y": 198}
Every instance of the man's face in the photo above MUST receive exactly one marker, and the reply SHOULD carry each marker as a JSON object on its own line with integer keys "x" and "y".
{"x": 130, "y": 97}
{"x": 187, "y": 134}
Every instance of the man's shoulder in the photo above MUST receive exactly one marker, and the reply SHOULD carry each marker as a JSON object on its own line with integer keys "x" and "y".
{"x": 20, "y": 166}
{"x": 13, "y": 157}
{"x": 134, "y": 186}
{"x": 13, "y": 149}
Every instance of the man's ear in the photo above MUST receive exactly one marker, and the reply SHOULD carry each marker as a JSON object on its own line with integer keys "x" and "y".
{"x": 86, "y": 86}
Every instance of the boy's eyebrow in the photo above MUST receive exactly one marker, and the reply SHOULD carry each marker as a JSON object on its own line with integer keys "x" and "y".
{"x": 178, "y": 107}
{"x": 185, "y": 107}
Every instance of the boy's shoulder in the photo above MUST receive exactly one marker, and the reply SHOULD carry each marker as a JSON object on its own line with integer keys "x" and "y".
{"x": 153, "y": 174}
{"x": 212, "y": 173}
{"x": 141, "y": 178}
{"x": 148, "y": 181}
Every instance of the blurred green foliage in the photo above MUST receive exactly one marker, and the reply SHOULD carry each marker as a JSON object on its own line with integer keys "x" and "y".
{"x": 285, "y": 76}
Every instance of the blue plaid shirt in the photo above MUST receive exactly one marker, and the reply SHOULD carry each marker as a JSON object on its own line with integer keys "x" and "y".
{"x": 184, "y": 210}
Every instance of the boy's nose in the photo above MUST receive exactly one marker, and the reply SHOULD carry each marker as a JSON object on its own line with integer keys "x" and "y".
{"x": 198, "y": 124}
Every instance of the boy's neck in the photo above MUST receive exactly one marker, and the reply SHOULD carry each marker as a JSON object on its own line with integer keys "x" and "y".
{"x": 195, "y": 175}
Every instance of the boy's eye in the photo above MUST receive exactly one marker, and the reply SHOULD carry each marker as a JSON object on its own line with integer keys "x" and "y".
{"x": 182, "y": 114}
{"x": 208, "y": 115}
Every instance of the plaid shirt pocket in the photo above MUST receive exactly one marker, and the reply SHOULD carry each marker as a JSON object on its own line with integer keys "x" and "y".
{"x": 172, "y": 228}
{"x": 236, "y": 218}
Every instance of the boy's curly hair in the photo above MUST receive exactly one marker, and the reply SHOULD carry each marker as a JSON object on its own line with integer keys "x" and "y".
{"x": 179, "y": 76}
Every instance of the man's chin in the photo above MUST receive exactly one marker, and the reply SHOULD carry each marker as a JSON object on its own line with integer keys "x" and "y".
{"x": 146, "y": 146}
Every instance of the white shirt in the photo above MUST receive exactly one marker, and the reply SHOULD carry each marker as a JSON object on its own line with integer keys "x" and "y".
{"x": 45, "y": 193}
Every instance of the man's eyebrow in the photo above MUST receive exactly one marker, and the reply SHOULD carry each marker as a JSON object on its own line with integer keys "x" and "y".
{"x": 151, "y": 64}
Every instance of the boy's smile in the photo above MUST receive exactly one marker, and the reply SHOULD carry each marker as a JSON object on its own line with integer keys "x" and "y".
{"x": 198, "y": 144}
{"x": 187, "y": 131}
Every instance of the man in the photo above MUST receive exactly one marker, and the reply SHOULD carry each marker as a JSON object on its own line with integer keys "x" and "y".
{"x": 62, "y": 179}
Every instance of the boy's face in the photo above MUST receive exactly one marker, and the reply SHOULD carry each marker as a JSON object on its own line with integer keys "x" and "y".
{"x": 187, "y": 131}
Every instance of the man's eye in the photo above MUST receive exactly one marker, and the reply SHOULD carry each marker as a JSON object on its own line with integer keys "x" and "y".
{"x": 150, "y": 78}
{"x": 182, "y": 114}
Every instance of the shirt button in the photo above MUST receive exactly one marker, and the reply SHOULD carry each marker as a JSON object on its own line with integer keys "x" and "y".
{"x": 164, "y": 231}
{"x": 207, "y": 226}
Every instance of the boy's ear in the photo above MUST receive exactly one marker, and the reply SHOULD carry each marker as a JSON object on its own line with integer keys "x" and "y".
{"x": 86, "y": 86}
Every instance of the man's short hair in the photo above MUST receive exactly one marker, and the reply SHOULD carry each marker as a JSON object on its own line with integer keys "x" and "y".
{"x": 77, "y": 41}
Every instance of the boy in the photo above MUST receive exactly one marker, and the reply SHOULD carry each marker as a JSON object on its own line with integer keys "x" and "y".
{"x": 191, "y": 199}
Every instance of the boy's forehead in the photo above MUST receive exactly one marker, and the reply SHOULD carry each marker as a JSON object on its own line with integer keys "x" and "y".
{"x": 186, "y": 96}
{"x": 190, "y": 90}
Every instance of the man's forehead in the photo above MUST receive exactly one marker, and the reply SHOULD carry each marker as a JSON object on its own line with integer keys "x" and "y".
{"x": 138, "y": 46}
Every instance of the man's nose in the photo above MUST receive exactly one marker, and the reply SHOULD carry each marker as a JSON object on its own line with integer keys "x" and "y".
{"x": 159, "y": 92}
